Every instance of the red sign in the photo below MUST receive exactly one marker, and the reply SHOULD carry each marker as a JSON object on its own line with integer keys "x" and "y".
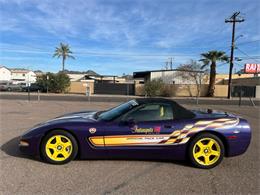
{"x": 252, "y": 68}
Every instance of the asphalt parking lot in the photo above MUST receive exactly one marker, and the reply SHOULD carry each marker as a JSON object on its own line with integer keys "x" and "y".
{"x": 23, "y": 175}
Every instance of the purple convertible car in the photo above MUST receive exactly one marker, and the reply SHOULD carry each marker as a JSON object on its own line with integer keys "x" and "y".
{"x": 145, "y": 128}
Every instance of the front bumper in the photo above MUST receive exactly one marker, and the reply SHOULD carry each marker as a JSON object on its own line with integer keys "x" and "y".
{"x": 30, "y": 145}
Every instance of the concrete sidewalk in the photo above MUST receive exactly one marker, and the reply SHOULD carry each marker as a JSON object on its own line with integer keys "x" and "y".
{"x": 123, "y": 98}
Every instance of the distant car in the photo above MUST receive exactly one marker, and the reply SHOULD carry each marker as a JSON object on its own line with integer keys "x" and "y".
{"x": 33, "y": 87}
{"x": 146, "y": 128}
{"x": 8, "y": 86}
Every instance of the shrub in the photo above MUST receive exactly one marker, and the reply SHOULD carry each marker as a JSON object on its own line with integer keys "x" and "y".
{"x": 166, "y": 91}
{"x": 55, "y": 83}
{"x": 153, "y": 88}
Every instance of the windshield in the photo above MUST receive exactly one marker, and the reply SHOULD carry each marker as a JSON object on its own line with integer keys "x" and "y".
{"x": 117, "y": 111}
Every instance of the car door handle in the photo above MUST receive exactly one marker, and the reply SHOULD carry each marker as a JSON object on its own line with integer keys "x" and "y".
{"x": 168, "y": 126}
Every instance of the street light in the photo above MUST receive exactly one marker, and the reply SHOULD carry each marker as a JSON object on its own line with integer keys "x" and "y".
{"x": 239, "y": 36}
{"x": 238, "y": 59}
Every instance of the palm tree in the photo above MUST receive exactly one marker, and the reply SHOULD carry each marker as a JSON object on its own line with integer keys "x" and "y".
{"x": 211, "y": 58}
{"x": 63, "y": 51}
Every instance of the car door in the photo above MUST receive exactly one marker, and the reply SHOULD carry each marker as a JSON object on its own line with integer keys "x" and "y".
{"x": 144, "y": 129}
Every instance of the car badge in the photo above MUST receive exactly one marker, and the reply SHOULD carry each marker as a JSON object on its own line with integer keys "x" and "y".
{"x": 92, "y": 130}
{"x": 157, "y": 129}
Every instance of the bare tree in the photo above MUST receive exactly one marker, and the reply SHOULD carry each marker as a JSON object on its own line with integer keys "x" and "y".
{"x": 194, "y": 73}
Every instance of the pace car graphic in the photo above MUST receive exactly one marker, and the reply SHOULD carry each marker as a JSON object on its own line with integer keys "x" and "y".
{"x": 177, "y": 137}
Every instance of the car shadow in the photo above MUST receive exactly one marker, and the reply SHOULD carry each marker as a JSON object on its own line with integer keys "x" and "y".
{"x": 176, "y": 162}
{"x": 11, "y": 148}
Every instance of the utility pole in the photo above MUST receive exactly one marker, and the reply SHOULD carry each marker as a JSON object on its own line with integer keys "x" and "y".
{"x": 233, "y": 19}
{"x": 171, "y": 63}
{"x": 166, "y": 65}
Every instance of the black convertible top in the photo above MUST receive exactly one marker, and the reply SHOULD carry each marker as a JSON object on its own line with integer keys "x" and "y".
{"x": 179, "y": 112}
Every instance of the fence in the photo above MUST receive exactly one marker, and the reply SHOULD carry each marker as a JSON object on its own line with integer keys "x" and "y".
{"x": 114, "y": 88}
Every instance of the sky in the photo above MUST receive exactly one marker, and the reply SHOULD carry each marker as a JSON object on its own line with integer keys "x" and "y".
{"x": 113, "y": 37}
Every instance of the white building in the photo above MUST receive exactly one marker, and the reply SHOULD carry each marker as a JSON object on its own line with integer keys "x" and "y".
{"x": 76, "y": 77}
{"x": 23, "y": 76}
{"x": 167, "y": 76}
{"x": 5, "y": 74}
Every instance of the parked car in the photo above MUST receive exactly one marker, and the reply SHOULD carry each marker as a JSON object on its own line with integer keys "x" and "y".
{"x": 146, "y": 128}
{"x": 8, "y": 86}
{"x": 33, "y": 87}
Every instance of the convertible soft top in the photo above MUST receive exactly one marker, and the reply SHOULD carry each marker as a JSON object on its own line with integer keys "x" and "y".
{"x": 179, "y": 112}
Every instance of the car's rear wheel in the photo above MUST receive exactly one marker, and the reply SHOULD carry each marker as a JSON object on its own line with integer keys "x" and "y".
{"x": 59, "y": 147}
{"x": 206, "y": 151}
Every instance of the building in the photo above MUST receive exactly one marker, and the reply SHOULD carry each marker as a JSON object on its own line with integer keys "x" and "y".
{"x": 23, "y": 76}
{"x": 5, "y": 74}
{"x": 167, "y": 76}
{"x": 76, "y": 77}
{"x": 223, "y": 78}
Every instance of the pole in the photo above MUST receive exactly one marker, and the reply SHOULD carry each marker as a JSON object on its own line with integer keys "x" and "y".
{"x": 240, "y": 95}
{"x": 47, "y": 83}
{"x": 28, "y": 90}
{"x": 231, "y": 61}
{"x": 28, "y": 87}
{"x": 233, "y": 19}
{"x": 127, "y": 91}
{"x": 171, "y": 63}
{"x": 38, "y": 95}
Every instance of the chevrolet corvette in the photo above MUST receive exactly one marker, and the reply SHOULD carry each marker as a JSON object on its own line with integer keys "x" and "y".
{"x": 144, "y": 128}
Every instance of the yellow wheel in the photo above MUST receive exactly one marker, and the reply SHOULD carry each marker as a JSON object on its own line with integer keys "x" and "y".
{"x": 59, "y": 147}
{"x": 206, "y": 151}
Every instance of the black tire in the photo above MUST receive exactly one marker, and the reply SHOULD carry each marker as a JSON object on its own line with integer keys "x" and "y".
{"x": 74, "y": 151}
{"x": 202, "y": 137}
{"x": 9, "y": 89}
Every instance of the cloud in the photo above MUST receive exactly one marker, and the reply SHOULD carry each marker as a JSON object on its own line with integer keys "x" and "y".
{"x": 128, "y": 32}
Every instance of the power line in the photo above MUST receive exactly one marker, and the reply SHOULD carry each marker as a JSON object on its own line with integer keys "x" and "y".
{"x": 249, "y": 57}
{"x": 225, "y": 63}
{"x": 98, "y": 53}
{"x": 248, "y": 42}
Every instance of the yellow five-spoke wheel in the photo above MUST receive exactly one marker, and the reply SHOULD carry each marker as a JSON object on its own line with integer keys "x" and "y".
{"x": 59, "y": 147}
{"x": 206, "y": 151}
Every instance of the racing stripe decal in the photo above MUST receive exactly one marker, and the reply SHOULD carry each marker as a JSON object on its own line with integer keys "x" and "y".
{"x": 177, "y": 137}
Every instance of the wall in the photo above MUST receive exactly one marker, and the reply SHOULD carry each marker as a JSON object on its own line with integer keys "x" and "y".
{"x": 221, "y": 90}
{"x": 80, "y": 87}
{"x": 139, "y": 89}
{"x": 179, "y": 90}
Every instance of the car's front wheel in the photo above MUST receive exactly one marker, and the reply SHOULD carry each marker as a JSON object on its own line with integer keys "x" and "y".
{"x": 59, "y": 147}
{"x": 206, "y": 151}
